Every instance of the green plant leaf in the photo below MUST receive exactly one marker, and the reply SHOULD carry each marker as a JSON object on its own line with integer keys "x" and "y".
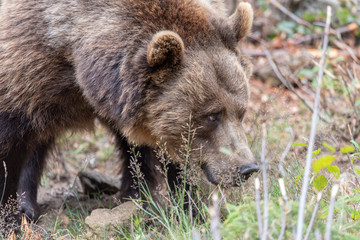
{"x": 307, "y": 73}
{"x": 309, "y": 16}
{"x": 286, "y": 26}
{"x": 357, "y": 170}
{"x": 355, "y": 215}
{"x": 299, "y": 144}
{"x": 316, "y": 152}
{"x": 320, "y": 183}
{"x": 357, "y": 102}
{"x": 343, "y": 15}
{"x": 347, "y": 149}
{"x": 355, "y": 144}
{"x": 323, "y": 162}
{"x": 299, "y": 176}
{"x": 334, "y": 170}
{"x": 328, "y": 146}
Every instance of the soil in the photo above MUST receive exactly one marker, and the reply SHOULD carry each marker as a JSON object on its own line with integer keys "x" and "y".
{"x": 270, "y": 103}
{"x": 277, "y": 107}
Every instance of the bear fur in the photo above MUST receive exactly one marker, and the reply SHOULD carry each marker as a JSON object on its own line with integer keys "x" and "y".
{"x": 142, "y": 67}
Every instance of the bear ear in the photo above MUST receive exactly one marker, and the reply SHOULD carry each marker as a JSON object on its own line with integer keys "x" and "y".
{"x": 165, "y": 48}
{"x": 241, "y": 20}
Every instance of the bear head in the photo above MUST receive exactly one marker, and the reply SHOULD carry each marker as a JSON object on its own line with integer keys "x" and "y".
{"x": 204, "y": 88}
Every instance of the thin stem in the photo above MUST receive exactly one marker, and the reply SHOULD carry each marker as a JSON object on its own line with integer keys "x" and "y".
{"x": 283, "y": 204}
{"x": 334, "y": 191}
{"x": 306, "y": 176}
{"x": 312, "y": 220}
{"x": 258, "y": 208}
{"x": 266, "y": 193}
{"x": 289, "y": 13}
{"x": 215, "y": 218}
{"x": 287, "y": 84}
{"x": 287, "y": 149}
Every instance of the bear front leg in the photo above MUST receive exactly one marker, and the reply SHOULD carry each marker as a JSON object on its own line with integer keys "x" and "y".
{"x": 30, "y": 179}
{"x": 151, "y": 180}
{"x": 12, "y": 162}
{"x": 13, "y": 153}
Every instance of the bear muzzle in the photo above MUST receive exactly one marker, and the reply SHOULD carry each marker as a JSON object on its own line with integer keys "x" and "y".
{"x": 246, "y": 171}
{"x": 231, "y": 177}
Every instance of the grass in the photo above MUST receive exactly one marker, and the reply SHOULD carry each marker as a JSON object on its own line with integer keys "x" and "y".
{"x": 237, "y": 206}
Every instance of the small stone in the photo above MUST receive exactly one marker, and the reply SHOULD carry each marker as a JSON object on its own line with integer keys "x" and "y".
{"x": 102, "y": 222}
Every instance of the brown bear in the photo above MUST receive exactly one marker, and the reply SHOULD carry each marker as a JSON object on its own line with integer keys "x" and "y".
{"x": 142, "y": 67}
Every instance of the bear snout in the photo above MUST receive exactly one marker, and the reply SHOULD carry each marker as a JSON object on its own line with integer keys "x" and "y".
{"x": 246, "y": 171}
{"x": 229, "y": 177}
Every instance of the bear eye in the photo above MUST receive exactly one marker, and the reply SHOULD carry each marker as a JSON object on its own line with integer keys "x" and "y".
{"x": 213, "y": 118}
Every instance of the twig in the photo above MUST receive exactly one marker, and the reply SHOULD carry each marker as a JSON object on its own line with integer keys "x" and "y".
{"x": 334, "y": 191}
{"x": 349, "y": 93}
{"x": 327, "y": 72}
{"x": 351, "y": 77}
{"x": 349, "y": 28}
{"x": 215, "y": 218}
{"x": 312, "y": 220}
{"x": 283, "y": 219}
{"x": 346, "y": 48}
{"x": 306, "y": 176}
{"x": 258, "y": 208}
{"x": 290, "y": 14}
{"x": 287, "y": 149}
{"x": 283, "y": 201}
{"x": 286, "y": 83}
{"x": 266, "y": 194}
{"x": 318, "y": 234}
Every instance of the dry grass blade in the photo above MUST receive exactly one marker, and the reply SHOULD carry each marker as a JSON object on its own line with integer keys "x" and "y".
{"x": 283, "y": 204}
{"x": 306, "y": 176}
{"x": 215, "y": 218}
{"x": 334, "y": 191}
{"x": 287, "y": 84}
{"x": 318, "y": 234}
{"x": 287, "y": 149}
{"x": 283, "y": 219}
{"x": 290, "y": 14}
{"x": 312, "y": 220}
{"x": 266, "y": 192}
{"x": 258, "y": 208}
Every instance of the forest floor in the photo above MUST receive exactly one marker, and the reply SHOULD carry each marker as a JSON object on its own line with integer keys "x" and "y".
{"x": 293, "y": 48}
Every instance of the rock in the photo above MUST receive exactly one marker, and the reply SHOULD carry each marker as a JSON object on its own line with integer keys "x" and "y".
{"x": 94, "y": 182}
{"x": 102, "y": 222}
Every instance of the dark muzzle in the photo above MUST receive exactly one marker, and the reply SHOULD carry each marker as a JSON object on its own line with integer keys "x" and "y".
{"x": 246, "y": 171}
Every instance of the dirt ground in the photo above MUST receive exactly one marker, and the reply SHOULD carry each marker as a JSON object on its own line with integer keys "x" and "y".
{"x": 277, "y": 107}
{"x": 270, "y": 103}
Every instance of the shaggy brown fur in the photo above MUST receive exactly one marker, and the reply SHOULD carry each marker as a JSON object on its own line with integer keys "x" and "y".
{"x": 141, "y": 67}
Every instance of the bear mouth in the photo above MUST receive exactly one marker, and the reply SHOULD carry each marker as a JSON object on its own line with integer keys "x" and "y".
{"x": 242, "y": 176}
{"x": 210, "y": 177}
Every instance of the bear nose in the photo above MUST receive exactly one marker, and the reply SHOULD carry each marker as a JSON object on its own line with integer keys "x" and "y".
{"x": 246, "y": 171}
